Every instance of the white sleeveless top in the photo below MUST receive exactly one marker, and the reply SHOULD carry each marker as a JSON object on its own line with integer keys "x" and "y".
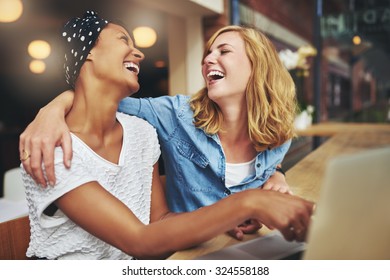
{"x": 57, "y": 237}
{"x": 237, "y": 172}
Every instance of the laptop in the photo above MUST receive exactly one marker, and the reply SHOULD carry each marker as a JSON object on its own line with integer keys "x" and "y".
{"x": 352, "y": 218}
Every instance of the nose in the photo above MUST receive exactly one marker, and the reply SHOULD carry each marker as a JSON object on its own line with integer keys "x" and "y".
{"x": 138, "y": 54}
{"x": 209, "y": 59}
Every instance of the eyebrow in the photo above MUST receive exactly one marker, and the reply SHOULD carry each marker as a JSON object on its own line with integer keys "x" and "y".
{"x": 218, "y": 47}
{"x": 223, "y": 45}
{"x": 124, "y": 34}
{"x": 129, "y": 38}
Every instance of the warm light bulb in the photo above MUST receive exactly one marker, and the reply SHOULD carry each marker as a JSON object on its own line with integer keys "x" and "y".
{"x": 144, "y": 36}
{"x": 37, "y": 66}
{"x": 159, "y": 64}
{"x": 356, "y": 40}
{"x": 39, "y": 49}
{"x": 10, "y": 10}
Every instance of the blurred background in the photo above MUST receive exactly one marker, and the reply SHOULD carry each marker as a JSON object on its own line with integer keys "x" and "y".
{"x": 337, "y": 51}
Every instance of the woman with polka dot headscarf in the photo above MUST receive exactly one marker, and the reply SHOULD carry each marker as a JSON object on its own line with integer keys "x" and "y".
{"x": 110, "y": 203}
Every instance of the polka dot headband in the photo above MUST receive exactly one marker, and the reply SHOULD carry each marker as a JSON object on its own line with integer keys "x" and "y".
{"x": 80, "y": 35}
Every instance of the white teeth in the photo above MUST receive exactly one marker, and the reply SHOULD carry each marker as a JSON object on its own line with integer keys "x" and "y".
{"x": 215, "y": 73}
{"x": 132, "y": 67}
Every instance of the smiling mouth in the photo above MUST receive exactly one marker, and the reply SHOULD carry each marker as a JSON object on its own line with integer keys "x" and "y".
{"x": 215, "y": 75}
{"x": 132, "y": 67}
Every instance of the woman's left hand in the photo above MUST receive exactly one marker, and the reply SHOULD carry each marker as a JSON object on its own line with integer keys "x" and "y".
{"x": 277, "y": 182}
{"x": 248, "y": 227}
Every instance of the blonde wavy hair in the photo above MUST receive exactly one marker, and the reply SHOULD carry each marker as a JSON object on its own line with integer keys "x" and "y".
{"x": 270, "y": 94}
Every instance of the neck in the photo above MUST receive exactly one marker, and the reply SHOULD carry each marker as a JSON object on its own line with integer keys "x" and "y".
{"x": 234, "y": 135}
{"x": 94, "y": 110}
{"x": 235, "y": 123}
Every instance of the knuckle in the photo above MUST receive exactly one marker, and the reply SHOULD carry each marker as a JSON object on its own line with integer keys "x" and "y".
{"x": 38, "y": 140}
{"x": 46, "y": 140}
{"x": 22, "y": 137}
{"x": 35, "y": 140}
{"x": 49, "y": 165}
{"x": 35, "y": 167}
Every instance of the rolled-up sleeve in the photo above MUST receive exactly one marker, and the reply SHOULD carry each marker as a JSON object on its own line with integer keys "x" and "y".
{"x": 130, "y": 106}
{"x": 160, "y": 112}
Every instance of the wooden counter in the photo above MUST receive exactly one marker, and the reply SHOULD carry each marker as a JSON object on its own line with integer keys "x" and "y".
{"x": 328, "y": 129}
{"x": 305, "y": 178}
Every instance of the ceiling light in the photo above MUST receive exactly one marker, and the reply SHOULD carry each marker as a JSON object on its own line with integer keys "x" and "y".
{"x": 356, "y": 40}
{"x": 159, "y": 64}
{"x": 10, "y": 10}
{"x": 37, "y": 66}
{"x": 39, "y": 49}
{"x": 144, "y": 36}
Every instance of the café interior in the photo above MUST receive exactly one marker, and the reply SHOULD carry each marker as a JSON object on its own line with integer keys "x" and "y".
{"x": 338, "y": 54}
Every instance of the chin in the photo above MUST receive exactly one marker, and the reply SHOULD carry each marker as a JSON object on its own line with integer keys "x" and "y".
{"x": 213, "y": 95}
{"x": 133, "y": 89}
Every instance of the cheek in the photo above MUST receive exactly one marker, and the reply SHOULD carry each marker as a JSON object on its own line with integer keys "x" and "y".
{"x": 243, "y": 75}
{"x": 246, "y": 72}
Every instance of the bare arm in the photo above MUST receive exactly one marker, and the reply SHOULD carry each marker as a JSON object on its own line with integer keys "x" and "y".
{"x": 43, "y": 134}
{"x": 113, "y": 222}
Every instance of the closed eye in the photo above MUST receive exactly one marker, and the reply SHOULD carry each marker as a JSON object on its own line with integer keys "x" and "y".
{"x": 125, "y": 38}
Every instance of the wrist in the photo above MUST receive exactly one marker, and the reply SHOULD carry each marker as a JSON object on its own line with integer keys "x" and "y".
{"x": 280, "y": 170}
{"x": 59, "y": 106}
{"x": 53, "y": 109}
{"x": 67, "y": 102}
{"x": 249, "y": 202}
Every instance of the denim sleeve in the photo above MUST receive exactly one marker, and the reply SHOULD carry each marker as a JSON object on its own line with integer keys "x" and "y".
{"x": 130, "y": 106}
{"x": 286, "y": 146}
{"x": 283, "y": 149}
{"x": 160, "y": 112}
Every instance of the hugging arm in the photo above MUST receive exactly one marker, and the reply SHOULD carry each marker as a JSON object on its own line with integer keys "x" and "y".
{"x": 47, "y": 131}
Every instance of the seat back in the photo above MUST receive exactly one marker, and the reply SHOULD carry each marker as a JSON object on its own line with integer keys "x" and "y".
{"x": 14, "y": 239}
{"x": 13, "y": 185}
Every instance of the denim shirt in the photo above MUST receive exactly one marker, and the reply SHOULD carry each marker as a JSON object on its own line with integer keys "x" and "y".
{"x": 194, "y": 161}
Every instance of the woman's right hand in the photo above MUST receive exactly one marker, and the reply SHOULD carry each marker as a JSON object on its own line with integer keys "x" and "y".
{"x": 38, "y": 141}
{"x": 289, "y": 214}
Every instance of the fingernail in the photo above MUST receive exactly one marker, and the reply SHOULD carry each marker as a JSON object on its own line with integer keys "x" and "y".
{"x": 51, "y": 184}
{"x": 68, "y": 163}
